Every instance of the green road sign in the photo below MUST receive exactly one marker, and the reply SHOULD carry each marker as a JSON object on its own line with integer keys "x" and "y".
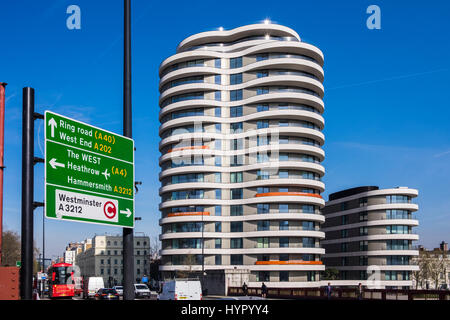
{"x": 89, "y": 173}
{"x": 18, "y": 263}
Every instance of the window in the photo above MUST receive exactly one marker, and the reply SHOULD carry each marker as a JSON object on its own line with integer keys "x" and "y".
{"x": 308, "y": 225}
{"x": 218, "y": 95}
{"x": 284, "y": 242}
{"x": 236, "y": 112}
{"x": 364, "y": 245}
{"x": 218, "y": 161}
{"x": 236, "y": 193}
{"x": 218, "y": 127}
{"x": 284, "y": 276}
{"x": 262, "y": 74}
{"x": 363, "y": 202}
{"x": 218, "y": 111}
{"x": 236, "y": 78}
{"x": 236, "y": 226}
{"x": 344, "y": 219}
{"x": 307, "y": 209}
{"x": 262, "y": 124}
{"x": 218, "y": 243}
{"x": 236, "y": 95}
{"x": 283, "y": 174}
{"x": 283, "y": 208}
{"x": 363, "y": 231}
{"x": 311, "y": 276}
{"x": 263, "y": 225}
{"x": 236, "y": 243}
{"x": 235, "y": 63}
{"x": 217, "y": 79}
{"x": 237, "y": 144}
{"x": 262, "y": 90}
{"x": 218, "y": 227}
{"x": 363, "y": 261}
{"x": 262, "y": 56}
{"x": 218, "y": 63}
{"x": 263, "y": 107}
{"x": 218, "y": 259}
{"x": 263, "y": 276}
{"x": 218, "y": 193}
{"x": 284, "y": 225}
{"x": 237, "y": 259}
{"x": 344, "y": 233}
{"x": 284, "y": 257}
{"x": 308, "y": 242}
{"x": 218, "y": 177}
{"x": 236, "y": 210}
{"x": 398, "y": 199}
{"x": 363, "y": 216}
{"x": 218, "y": 210}
{"x": 263, "y": 242}
{"x": 236, "y": 127}
{"x": 236, "y": 177}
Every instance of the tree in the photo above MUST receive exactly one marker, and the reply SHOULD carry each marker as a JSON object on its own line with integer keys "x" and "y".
{"x": 330, "y": 274}
{"x": 10, "y": 248}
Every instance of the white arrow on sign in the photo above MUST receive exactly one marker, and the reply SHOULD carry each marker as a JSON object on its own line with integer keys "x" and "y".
{"x": 55, "y": 164}
{"x": 53, "y": 125}
{"x": 127, "y": 212}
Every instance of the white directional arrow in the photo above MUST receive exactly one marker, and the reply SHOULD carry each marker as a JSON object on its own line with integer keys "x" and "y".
{"x": 127, "y": 212}
{"x": 53, "y": 125}
{"x": 55, "y": 164}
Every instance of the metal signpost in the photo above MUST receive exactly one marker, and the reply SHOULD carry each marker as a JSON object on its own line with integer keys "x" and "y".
{"x": 89, "y": 173}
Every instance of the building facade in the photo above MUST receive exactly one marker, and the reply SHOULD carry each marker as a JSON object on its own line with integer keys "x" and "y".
{"x": 434, "y": 268}
{"x": 103, "y": 257}
{"x": 241, "y": 152}
{"x": 369, "y": 236}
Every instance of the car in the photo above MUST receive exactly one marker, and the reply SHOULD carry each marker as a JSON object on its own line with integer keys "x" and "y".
{"x": 106, "y": 294}
{"x": 182, "y": 289}
{"x": 141, "y": 291}
{"x": 91, "y": 286}
{"x": 119, "y": 290}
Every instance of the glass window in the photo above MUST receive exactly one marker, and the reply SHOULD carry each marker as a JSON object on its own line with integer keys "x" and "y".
{"x": 218, "y": 193}
{"x": 236, "y": 193}
{"x": 218, "y": 259}
{"x": 236, "y": 127}
{"x": 236, "y": 226}
{"x": 284, "y": 276}
{"x": 217, "y": 79}
{"x": 236, "y": 177}
{"x": 262, "y": 90}
{"x": 218, "y": 95}
{"x": 236, "y": 243}
{"x": 218, "y": 63}
{"x": 262, "y": 74}
{"x": 218, "y": 161}
{"x": 218, "y": 227}
{"x": 263, "y": 242}
{"x": 236, "y": 78}
{"x": 236, "y": 95}
{"x": 237, "y": 259}
{"x": 283, "y": 208}
{"x": 263, "y": 107}
{"x": 263, "y": 208}
{"x": 236, "y": 111}
{"x": 263, "y": 225}
{"x": 218, "y": 243}
{"x": 218, "y": 177}
{"x": 284, "y": 225}
{"x": 284, "y": 242}
{"x": 217, "y": 112}
{"x": 262, "y": 56}
{"x": 235, "y": 63}
{"x": 218, "y": 210}
{"x": 236, "y": 210}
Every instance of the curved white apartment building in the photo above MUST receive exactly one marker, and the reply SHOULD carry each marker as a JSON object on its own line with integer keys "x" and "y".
{"x": 369, "y": 235}
{"x": 241, "y": 152}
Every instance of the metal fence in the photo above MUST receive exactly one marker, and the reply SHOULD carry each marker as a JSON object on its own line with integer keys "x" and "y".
{"x": 344, "y": 293}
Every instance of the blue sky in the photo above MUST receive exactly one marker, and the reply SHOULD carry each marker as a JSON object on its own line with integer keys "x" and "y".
{"x": 386, "y": 91}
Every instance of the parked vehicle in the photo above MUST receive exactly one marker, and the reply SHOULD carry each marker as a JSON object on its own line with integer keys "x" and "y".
{"x": 141, "y": 291}
{"x": 182, "y": 289}
{"x": 91, "y": 286}
{"x": 119, "y": 290}
{"x": 106, "y": 294}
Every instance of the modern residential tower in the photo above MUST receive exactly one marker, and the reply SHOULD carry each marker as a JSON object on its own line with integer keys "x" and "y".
{"x": 241, "y": 152}
{"x": 369, "y": 235}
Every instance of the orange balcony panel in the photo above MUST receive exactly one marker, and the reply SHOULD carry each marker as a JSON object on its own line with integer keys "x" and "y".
{"x": 298, "y": 262}
{"x": 277, "y": 194}
{"x": 188, "y": 148}
{"x": 181, "y": 214}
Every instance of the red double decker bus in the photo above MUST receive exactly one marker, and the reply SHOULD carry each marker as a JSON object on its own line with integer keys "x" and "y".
{"x": 61, "y": 282}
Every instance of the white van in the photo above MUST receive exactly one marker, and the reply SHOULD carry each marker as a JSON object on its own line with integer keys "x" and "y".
{"x": 91, "y": 286}
{"x": 182, "y": 289}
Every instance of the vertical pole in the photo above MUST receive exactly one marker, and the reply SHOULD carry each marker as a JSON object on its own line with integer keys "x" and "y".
{"x": 26, "y": 270}
{"x": 2, "y": 149}
{"x": 43, "y": 240}
{"x": 128, "y": 241}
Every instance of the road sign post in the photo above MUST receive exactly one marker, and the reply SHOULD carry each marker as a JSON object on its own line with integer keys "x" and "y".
{"x": 89, "y": 173}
